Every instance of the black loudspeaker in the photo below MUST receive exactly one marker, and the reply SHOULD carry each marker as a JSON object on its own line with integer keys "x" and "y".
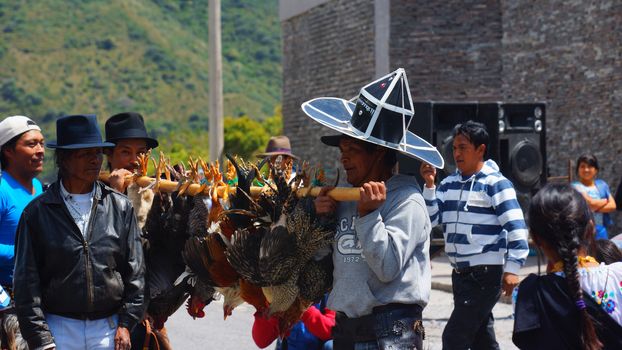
{"x": 517, "y": 139}
{"x": 435, "y": 122}
{"x": 521, "y": 145}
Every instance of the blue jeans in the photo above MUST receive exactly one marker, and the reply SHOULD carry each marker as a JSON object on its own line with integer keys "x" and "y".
{"x": 328, "y": 345}
{"x": 395, "y": 329}
{"x": 470, "y": 325}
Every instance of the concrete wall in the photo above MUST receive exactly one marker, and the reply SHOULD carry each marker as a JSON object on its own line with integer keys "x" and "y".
{"x": 292, "y": 8}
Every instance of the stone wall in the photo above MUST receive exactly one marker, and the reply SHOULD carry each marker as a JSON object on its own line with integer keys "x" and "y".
{"x": 565, "y": 53}
{"x": 568, "y": 53}
{"x": 451, "y": 50}
{"x": 328, "y": 51}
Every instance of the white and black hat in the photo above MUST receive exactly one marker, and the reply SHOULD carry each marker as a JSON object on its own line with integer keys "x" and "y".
{"x": 381, "y": 115}
{"x": 15, "y": 125}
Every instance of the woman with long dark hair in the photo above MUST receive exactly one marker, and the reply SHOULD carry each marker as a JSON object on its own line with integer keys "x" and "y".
{"x": 578, "y": 293}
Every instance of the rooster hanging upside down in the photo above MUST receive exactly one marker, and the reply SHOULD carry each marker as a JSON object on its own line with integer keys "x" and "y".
{"x": 264, "y": 251}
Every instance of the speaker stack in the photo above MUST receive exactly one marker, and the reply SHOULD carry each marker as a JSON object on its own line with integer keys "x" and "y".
{"x": 517, "y": 139}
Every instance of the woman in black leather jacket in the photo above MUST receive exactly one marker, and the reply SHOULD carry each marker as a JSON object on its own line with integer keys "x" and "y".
{"x": 79, "y": 271}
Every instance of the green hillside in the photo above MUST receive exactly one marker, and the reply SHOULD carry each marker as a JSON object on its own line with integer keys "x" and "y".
{"x": 61, "y": 57}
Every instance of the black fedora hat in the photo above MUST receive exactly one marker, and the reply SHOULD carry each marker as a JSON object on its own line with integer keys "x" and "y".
{"x": 78, "y": 131}
{"x": 381, "y": 115}
{"x": 128, "y": 125}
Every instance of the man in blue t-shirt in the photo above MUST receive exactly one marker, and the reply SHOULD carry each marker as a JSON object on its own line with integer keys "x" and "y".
{"x": 21, "y": 158}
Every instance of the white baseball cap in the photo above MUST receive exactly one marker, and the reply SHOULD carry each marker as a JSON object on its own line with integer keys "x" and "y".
{"x": 15, "y": 125}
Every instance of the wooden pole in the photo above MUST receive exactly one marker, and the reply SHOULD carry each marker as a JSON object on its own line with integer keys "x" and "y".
{"x": 341, "y": 194}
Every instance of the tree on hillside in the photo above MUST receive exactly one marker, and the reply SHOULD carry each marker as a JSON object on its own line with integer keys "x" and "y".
{"x": 246, "y": 137}
{"x": 274, "y": 124}
{"x": 179, "y": 145}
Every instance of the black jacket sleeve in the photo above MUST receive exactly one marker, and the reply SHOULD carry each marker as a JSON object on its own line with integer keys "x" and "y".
{"x": 134, "y": 275}
{"x": 26, "y": 287}
{"x": 618, "y": 196}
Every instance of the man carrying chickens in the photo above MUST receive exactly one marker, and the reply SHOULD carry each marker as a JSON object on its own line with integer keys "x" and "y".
{"x": 127, "y": 131}
{"x": 382, "y": 265}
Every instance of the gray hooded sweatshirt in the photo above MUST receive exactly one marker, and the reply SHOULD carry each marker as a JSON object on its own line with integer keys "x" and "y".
{"x": 382, "y": 257}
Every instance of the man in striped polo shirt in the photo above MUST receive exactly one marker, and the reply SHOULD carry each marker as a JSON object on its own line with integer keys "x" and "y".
{"x": 485, "y": 236}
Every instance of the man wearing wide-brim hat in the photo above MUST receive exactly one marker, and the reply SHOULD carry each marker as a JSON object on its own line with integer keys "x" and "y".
{"x": 79, "y": 271}
{"x": 128, "y": 133}
{"x": 278, "y": 146}
{"x": 279, "y": 153}
{"x": 382, "y": 266}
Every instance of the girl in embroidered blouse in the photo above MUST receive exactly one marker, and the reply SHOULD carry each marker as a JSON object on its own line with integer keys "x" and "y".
{"x": 578, "y": 292}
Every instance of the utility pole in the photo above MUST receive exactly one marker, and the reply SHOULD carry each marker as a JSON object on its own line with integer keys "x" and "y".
{"x": 216, "y": 124}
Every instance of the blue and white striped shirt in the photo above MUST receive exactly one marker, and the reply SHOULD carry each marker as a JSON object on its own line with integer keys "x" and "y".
{"x": 482, "y": 221}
